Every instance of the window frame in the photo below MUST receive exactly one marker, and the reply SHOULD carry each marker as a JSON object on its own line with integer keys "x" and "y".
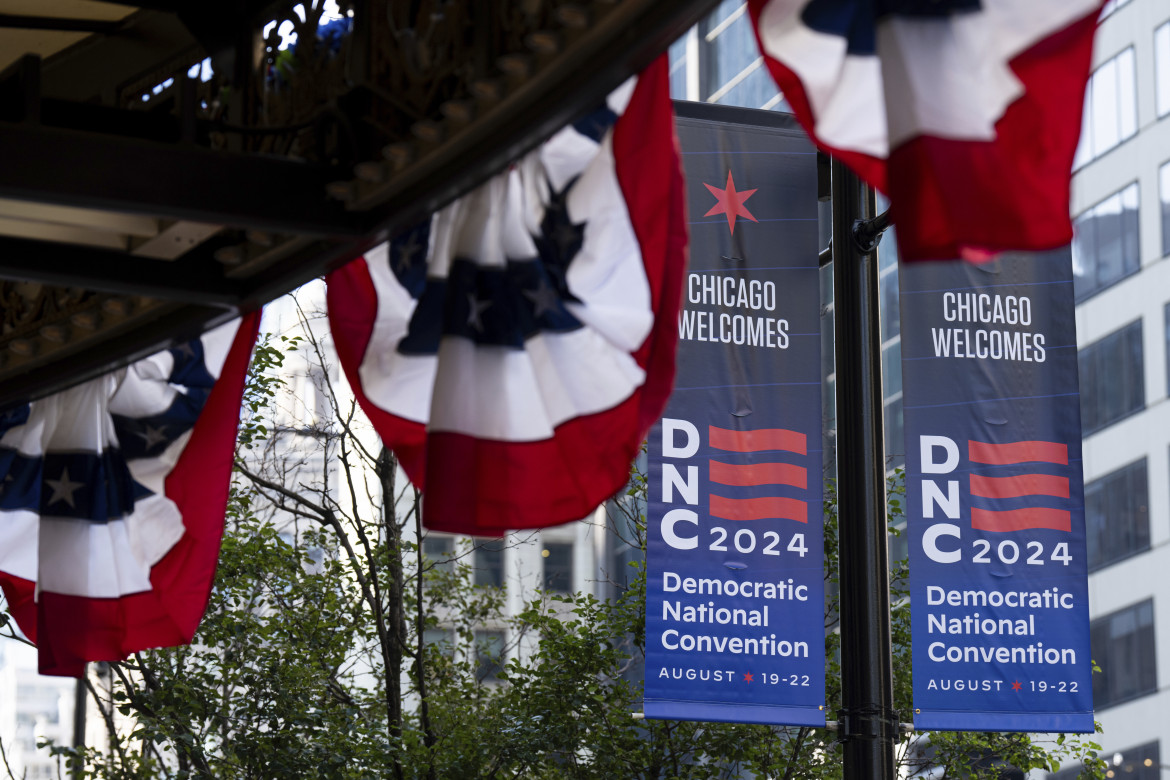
{"x": 564, "y": 549}
{"x": 1100, "y": 700}
{"x": 1083, "y": 157}
{"x": 1089, "y": 383}
{"x": 1103, "y": 483}
{"x": 1086, "y": 216}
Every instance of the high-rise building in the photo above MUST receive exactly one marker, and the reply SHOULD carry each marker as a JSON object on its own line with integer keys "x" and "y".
{"x": 33, "y": 710}
{"x": 1121, "y": 207}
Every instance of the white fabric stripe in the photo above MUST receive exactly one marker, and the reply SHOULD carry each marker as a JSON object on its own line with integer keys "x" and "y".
{"x": 217, "y": 343}
{"x": 152, "y": 473}
{"x": 941, "y": 77}
{"x": 142, "y": 387}
{"x": 506, "y": 394}
{"x": 18, "y": 543}
{"x": 608, "y": 275}
{"x": 523, "y": 396}
{"x": 844, "y": 91}
{"x": 398, "y": 383}
{"x": 620, "y": 97}
{"x": 951, "y": 78}
{"x": 89, "y": 559}
{"x": 111, "y": 559}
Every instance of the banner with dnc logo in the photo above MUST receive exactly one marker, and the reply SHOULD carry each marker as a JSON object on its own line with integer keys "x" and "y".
{"x": 735, "y": 590}
{"x": 995, "y": 494}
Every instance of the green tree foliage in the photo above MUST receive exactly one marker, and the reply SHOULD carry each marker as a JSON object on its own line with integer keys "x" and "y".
{"x": 312, "y": 660}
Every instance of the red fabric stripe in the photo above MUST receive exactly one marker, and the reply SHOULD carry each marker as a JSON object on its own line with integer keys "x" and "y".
{"x": 1023, "y": 485}
{"x": 1020, "y": 519}
{"x": 19, "y": 592}
{"x": 73, "y": 629}
{"x": 758, "y": 440}
{"x": 649, "y": 172}
{"x": 771, "y": 508}
{"x": 486, "y": 487}
{"x": 948, "y": 197}
{"x": 758, "y": 474}
{"x": 352, "y": 303}
{"x": 1017, "y": 452}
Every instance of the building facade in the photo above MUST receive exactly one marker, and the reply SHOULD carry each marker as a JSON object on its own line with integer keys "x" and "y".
{"x": 1121, "y": 209}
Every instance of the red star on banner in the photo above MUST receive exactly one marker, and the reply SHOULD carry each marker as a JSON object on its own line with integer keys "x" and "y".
{"x": 730, "y": 202}
{"x": 747, "y": 677}
{"x": 1017, "y": 685}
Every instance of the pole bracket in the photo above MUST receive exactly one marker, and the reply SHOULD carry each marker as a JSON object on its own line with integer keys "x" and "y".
{"x": 867, "y": 233}
{"x": 872, "y": 723}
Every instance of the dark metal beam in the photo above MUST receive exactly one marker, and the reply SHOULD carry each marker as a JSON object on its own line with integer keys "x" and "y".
{"x": 23, "y": 22}
{"x": 88, "y": 170}
{"x": 139, "y": 338}
{"x": 66, "y": 265}
{"x": 618, "y": 46}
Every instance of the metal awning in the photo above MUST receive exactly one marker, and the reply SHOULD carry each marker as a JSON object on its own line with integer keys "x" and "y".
{"x": 166, "y": 165}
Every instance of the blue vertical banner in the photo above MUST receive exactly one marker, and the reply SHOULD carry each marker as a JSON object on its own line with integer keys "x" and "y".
{"x": 735, "y": 590}
{"x": 995, "y": 496}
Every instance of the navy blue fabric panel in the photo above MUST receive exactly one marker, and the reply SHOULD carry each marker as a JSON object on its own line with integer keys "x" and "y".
{"x": 500, "y": 307}
{"x": 735, "y": 564}
{"x": 189, "y": 368}
{"x": 408, "y": 258}
{"x": 13, "y": 417}
{"x": 141, "y": 437}
{"x": 20, "y": 488}
{"x": 596, "y": 123}
{"x": 856, "y": 20}
{"x": 492, "y": 305}
{"x": 850, "y": 19}
{"x": 86, "y": 486}
{"x": 995, "y": 496}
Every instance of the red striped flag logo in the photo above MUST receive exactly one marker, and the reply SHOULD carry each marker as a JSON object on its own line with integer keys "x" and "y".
{"x": 776, "y": 471}
{"x": 1019, "y": 485}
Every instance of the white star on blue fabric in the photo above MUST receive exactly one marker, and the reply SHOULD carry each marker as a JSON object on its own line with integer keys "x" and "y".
{"x": 63, "y": 488}
{"x": 151, "y": 435}
{"x": 478, "y": 307}
{"x": 544, "y": 298}
{"x": 406, "y": 253}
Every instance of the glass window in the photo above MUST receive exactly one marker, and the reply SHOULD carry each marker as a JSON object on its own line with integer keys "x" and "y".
{"x": 728, "y": 47}
{"x": 752, "y": 88}
{"x": 489, "y": 655}
{"x": 1117, "y": 515}
{"x": 443, "y": 639}
{"x": 1112, "y": 378}
{"x": 558, "y": 566}
{"x": 892, "y": 369}
{"x": 1110, "y": 114}
{"x": 1111, "y": 6}
{"x": 678, "y": 69}
{"x": 1166, "y": 318}
{"x": 489, "y": 562}
{"x": 439, "y": 552}
{"x": 1164, "y": 193}
{"x": 1105, "y": 243}
{"x": 1123, "y": 646}
{"x": 1162, "y": 68}
{"x": 888, "y": 310}
{"x": 1136, "y": 763}
{"x": 895, "y": 434}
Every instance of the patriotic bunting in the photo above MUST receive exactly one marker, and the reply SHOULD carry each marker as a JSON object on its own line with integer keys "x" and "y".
{"x": 966, "y": 112}
{"x": 514, "y": 349}
{"x": 112, "y": 502}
